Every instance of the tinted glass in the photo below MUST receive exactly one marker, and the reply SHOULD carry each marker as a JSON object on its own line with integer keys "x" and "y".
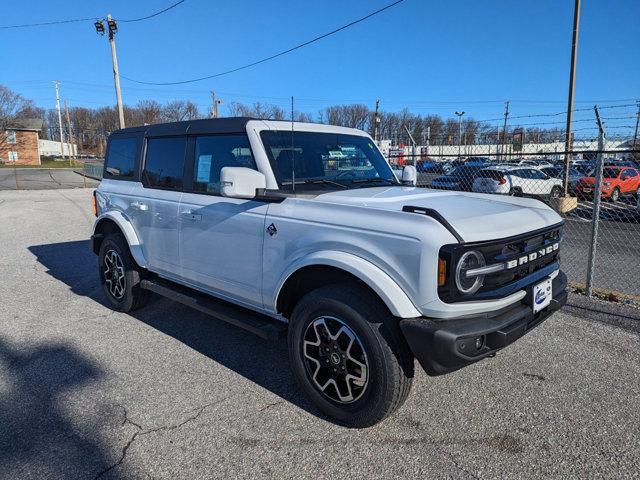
{"x": 326, "y": 159}
{"x": 164, "y": 162}
{"x": 632, "y": 173}
{"x": 537, "y": 175}
{"x": 610, "y": 172}
{"x": 121, "y": 158}
{"x": 215, "y": 152}
{"x": 492, "y": 174}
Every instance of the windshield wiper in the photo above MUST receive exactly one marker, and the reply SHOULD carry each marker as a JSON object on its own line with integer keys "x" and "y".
{"x": 374, "y": 180}
{"x": 315, "y": 181}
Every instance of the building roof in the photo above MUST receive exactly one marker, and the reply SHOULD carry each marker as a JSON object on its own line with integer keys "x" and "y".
{"x": 34, "y": 124}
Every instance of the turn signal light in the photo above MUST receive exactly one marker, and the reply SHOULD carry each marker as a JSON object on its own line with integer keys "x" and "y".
{"x": 442, "y": 272}
{"x": 94, "y": 203}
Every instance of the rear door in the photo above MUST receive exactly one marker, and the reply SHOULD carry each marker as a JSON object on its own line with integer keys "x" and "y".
{"x": 154, "y": 203}
{"x": 221, "y": 238}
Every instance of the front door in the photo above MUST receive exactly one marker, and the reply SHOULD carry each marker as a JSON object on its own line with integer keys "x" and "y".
{"x": 221, "y": 238}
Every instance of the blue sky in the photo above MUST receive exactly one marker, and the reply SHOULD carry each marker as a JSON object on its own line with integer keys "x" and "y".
{"x": 431, "y": 56}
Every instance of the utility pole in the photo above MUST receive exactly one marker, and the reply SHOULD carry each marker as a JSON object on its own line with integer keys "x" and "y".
{"x": 635, "y": 134}
{"x": 376, "y": 120}
{"x": 504, "y": 129}
{"x": 113, "y": 28}
{"x": 214, "y": 105}
{"x": 459, "y": 114}
{"x": 59, "y": 120}
{"x": 69, "y": 134}
{"x": 572, "y": 72}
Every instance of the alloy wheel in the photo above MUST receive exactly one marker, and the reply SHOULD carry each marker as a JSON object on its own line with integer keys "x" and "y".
{"x": 335, "y": 359}
{"x": 114, "y": 275}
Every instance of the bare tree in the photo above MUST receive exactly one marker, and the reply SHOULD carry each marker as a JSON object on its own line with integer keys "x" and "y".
{"x": 179, "y": 110}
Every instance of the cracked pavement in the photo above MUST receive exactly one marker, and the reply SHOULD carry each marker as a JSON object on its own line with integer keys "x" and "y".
{"x": 168, "y": 392}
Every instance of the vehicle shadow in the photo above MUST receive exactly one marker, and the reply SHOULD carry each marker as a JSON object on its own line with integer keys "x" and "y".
{"x": 37, "y": 439}
{"x": 262, "y": 362}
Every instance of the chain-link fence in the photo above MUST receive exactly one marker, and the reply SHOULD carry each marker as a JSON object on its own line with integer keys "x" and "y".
{"x": 601, "y": 250}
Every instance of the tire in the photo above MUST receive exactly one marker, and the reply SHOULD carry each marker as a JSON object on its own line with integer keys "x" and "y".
{"x": 364, "y": 330}
{"x": 515, "y": 192}
{"x": 555, "y": 192}
{"x": 615, "y": 195}
{"x": 120, "y": 276}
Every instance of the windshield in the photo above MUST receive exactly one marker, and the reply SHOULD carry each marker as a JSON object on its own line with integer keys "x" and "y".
{"x": 325, "y": 159}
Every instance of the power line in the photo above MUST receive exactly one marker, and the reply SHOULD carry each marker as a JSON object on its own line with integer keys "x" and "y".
{"x": 152, "y": 15}
{"x": 97, "y": 17}
{"x": 42, "y": 24}
{"x": 253, "y": 64}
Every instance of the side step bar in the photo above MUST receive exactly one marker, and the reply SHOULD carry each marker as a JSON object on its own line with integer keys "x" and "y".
{"x": 261, "y": 325}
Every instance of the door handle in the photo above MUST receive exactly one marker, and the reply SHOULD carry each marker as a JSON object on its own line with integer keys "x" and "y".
{"x": 140, "y": 206}
{"x": 189, "y": 215}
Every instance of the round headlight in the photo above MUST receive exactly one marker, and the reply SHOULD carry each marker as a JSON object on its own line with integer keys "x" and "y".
{"x": 468, "y": 261}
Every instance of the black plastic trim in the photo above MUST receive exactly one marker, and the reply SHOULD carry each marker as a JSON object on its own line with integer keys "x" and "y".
{"x": 430, "y": 212}
{"x": 443, "y": 346}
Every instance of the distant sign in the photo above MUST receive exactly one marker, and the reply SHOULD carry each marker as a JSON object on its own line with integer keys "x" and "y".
{"x": 518, "y": 139}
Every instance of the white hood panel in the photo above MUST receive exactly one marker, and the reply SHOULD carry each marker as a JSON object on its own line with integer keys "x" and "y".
{"x": 476, "y": 217}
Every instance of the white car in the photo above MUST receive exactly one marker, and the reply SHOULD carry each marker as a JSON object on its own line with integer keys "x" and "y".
{"x": 517, "y": 181}
{"x": 256, "y": 223}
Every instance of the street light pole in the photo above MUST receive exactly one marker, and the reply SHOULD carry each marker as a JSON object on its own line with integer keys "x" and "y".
{"x": 572, "y": 72}
{"x": 459, "y": 114}
{"x": 112, "y": 26}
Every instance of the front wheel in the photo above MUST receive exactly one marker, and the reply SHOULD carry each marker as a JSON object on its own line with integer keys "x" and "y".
{"x": 556, "y": 192}
{"x": 348, "y": 355}
{"x": 615, "y": 195}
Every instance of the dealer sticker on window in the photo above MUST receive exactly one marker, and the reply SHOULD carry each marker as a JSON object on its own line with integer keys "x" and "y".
{"x": 542, "y": 294}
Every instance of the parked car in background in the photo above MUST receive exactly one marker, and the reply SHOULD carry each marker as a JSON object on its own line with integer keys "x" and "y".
{"x": 478, "y": 161}
{"x": 430, "y": 166}
{"x": 460, "y": 178}
{"x": 616, "y": 181}
{"x": 517, "y": 181}
{"x": 558, "y": 172}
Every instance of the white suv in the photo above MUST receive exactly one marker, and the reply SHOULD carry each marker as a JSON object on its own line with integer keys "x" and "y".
{"x": 303, "y": 230}
{"x": 517, "y": 181}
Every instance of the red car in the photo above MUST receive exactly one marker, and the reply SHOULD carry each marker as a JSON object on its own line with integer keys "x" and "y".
{"x": 616, "y": 181}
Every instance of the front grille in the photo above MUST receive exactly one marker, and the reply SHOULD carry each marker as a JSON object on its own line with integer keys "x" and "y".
{"x": 507, "y": 281}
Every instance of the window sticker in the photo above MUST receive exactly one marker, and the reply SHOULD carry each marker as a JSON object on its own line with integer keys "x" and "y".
{"x": 204, "y": 169}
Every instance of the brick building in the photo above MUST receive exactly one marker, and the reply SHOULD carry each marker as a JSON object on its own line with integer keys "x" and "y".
{"x": 19, "y": 142}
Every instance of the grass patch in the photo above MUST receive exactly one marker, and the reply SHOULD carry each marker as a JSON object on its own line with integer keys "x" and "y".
{"x": 47, "y": 162}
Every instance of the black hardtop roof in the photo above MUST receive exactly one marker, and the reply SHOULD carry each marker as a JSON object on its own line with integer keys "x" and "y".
{"x": 202, "y": 126}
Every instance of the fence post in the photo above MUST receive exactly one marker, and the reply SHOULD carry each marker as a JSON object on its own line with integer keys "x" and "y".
{"x": 596, "y": 206}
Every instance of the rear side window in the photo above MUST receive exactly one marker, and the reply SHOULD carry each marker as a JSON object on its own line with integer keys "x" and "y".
{"x": 492, "y": 174}
{"x": 121, "y": 158}
{"x": 164, "y": 162}
{"x": 213, "y": 153}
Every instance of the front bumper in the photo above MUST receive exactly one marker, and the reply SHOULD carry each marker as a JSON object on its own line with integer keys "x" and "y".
{"x": 442, "y": 346}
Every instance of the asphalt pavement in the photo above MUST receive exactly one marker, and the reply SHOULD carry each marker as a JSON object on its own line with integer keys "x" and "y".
{"x": 168, "y": 392}
{"x": 42, "y": 179}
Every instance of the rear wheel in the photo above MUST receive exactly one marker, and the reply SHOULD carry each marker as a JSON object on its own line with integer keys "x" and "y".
{"x": 515, "y": 192}
{"x": 348, "y": 355}
{"x": 555, "y": 192}
{"x": 120, "y": 276}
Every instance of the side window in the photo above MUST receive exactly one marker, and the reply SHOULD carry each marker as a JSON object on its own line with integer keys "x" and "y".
{"x": 164, "y": 162}
{"x": 121, "y": 158}
{"x": 213, "y": 153}
{"x": 632, "y": 173}
{"x": 522, "y": 173}
{"x": 537, "y": 175}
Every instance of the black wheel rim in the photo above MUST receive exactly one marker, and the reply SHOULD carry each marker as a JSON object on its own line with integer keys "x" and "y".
{"x": 113, "y": 274}
{"x": 335, "y": 360}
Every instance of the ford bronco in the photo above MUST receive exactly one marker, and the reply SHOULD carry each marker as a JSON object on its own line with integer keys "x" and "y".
{"x": 303, "y": 230}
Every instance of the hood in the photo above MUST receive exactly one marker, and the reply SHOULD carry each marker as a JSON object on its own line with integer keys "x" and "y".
{"x": 476, "y": 217}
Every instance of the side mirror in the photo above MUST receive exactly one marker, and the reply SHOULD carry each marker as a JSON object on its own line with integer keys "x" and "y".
{"x": 409, "y": 176}
{"x": 241, "y": 182}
